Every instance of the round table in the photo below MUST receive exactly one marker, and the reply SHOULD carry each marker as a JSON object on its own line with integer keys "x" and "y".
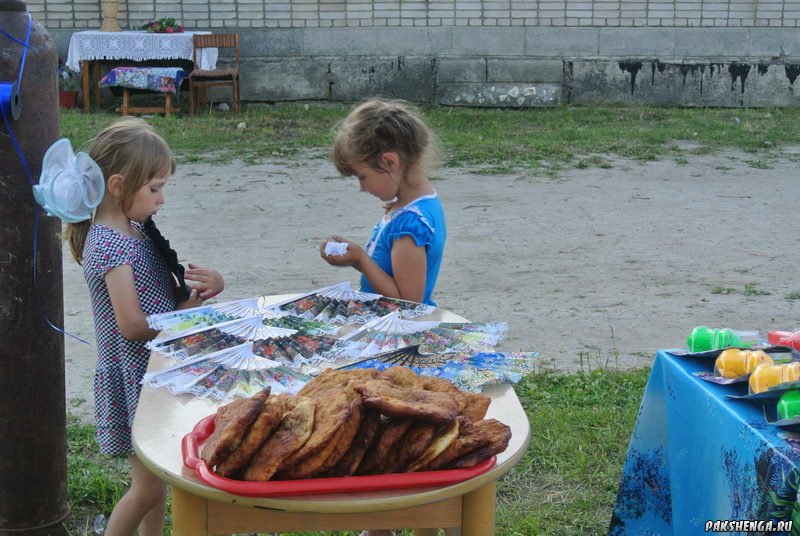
{"x": 163, "y": 419}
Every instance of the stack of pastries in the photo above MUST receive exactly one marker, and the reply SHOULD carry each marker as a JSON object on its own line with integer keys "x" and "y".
{"x": 354, "y": 422}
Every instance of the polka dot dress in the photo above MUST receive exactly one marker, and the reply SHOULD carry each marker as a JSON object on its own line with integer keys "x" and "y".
{"x": 121, "y": 362}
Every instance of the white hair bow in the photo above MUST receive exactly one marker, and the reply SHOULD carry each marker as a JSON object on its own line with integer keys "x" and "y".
{"x": 70, "y": 186}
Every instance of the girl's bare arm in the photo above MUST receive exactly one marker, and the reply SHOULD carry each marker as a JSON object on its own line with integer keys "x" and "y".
{"x": 132, "y": 321}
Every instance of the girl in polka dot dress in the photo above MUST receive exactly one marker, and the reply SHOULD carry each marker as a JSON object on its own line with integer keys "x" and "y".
{"x": 131, "y": 273}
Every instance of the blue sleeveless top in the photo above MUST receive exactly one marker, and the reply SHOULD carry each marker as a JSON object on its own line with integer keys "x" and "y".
{"x": 422, "y": 220}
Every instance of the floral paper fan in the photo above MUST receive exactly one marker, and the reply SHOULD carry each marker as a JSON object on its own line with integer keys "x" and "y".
{"x": 204, "y": 340}
{"x": 300, "y": 351}
{"x": 340, "y": 304}
{"x": 185, "y": 320}
{"x": 287, "y": 346}
{"x": 302, "y": 325}
{"x": 469, "y": 372}
{"x": 226, "y": 374}
{"x": 393, "y": 332}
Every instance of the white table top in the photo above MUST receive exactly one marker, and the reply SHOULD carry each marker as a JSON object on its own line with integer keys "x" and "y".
{"x": 136, "y": 45}
{"x": 163, "y": 419}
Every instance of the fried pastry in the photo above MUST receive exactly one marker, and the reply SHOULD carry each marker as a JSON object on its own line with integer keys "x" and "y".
{"x": 401, "y": 376}
{"x": 447, "y": 434}
{"x": 499, "y": 444}
{"x": 262, "y": 427}
{"x": 230, "y": 426}
{"x": 472, "y": 437}
{"x": 348, "y": 464}
{"x": 334, "y": 406}
{"x": 293, "y": 431}
{"x": 473, "y": 405}
{"x": 334, "y": 448}
{"x": 408, "y": 403}
{"x": 336, "y": 378}
{"x": 411, "y": 446}
{"x": 389, "y": 433}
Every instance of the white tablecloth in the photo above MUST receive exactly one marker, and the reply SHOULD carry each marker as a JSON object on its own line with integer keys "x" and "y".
{"x": 136, "y": 46}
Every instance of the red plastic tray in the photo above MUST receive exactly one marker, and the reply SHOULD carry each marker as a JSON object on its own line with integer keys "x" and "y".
{"x": 193, "y": 442}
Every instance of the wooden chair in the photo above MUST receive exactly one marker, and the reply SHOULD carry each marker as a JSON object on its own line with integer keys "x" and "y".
{"x": 200, "y": 79}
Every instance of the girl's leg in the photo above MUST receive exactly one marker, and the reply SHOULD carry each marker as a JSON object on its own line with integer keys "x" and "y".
{"x": 141, "y": 507}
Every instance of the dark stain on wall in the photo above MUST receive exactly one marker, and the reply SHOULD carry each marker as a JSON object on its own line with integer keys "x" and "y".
{"x": 653, "y": 66}
{"x": 632, "y": 67}
{"x": 792, "y": 70}
{"x": 712, "y": 66}
{"x": 740, "y": 71}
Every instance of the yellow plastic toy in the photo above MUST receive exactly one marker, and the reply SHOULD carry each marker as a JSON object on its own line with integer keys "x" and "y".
{"x": 766, "y": 376}
{"x": 733, "y": 363}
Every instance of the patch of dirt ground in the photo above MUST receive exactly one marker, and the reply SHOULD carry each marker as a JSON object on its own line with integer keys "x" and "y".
{"x": 597, "y": 267}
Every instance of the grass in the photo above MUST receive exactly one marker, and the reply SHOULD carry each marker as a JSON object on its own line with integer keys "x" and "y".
{"x": 501, "y": 141}
{"x": 565, "y": 484}
{"x": 94, "y": 482}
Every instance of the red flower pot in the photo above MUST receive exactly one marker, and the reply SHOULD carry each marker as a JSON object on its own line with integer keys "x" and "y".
{"x": 67, "y": 98}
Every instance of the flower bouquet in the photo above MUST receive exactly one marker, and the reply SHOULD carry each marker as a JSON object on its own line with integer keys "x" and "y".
{"x": 162, "y": 25}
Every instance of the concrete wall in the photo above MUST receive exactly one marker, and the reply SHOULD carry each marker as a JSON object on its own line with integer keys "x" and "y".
{"x": 491, "y": 52}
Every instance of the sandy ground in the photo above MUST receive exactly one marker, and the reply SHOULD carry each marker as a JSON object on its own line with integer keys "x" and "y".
{"x": 598, "y": 267}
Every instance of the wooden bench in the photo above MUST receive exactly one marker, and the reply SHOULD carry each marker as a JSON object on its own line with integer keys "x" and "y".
{"x": 166, "y": 80}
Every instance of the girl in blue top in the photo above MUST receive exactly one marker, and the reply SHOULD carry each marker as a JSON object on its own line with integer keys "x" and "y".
{"x": 388, "y": 147}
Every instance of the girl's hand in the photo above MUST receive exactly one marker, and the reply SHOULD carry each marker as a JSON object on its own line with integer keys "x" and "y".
{"x": 209, "y": 281}
{"x": 352, "y": 257}
{"x": 194, "y": 300}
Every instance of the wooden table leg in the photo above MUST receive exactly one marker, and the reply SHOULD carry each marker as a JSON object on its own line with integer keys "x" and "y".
{"x": 85, "y": 84}
{"x": 477, "y": 511}
{"x": 189, "y": 514}
{"x": 126, "y": 101}
{"x": 96, "y": 81}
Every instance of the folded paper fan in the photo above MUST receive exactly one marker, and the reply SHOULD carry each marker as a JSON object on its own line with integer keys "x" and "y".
{"x": 226, "y": 374}
{"x": 467, "y": 371}
{"x": 175, "y": 322}
{"x": 302, "y": 325}
{"x": 204, "y": 340}
{"x": 393, "y": 332}
{"x": 340, "y": 304}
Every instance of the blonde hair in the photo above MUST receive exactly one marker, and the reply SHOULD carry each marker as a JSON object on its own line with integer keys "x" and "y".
{"x": 130, "y": 148}
{"x": 377, "y": 126}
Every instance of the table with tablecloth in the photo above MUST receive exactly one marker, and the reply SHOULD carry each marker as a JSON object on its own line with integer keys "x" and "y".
{"x": 88, "y": 48}
{"x": 697, "y": 455}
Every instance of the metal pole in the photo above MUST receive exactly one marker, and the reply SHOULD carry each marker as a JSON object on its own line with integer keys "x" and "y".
{"x": 33, "y": 445}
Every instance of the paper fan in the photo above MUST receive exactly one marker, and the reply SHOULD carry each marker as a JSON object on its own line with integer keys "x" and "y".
{"x": 227, "y": 373}
{"x": 469, "y": 372}
{"x": 204, "y": 340}
{"x": 340, "y": 304}
{"x": 393, "y": 332}
{"x": 302, "y": 325}
{"x": 297, "y": 350}
{"x": 184, "y": 320}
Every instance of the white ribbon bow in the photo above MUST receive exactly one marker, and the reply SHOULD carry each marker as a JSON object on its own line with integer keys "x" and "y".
{"x": 70, "y": 186}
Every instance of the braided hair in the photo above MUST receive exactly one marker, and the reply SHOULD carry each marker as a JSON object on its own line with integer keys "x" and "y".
{"x": 170, "y": 257}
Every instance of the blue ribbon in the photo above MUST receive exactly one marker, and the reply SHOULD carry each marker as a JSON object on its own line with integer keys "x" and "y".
{"x": 11, "y": 106}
